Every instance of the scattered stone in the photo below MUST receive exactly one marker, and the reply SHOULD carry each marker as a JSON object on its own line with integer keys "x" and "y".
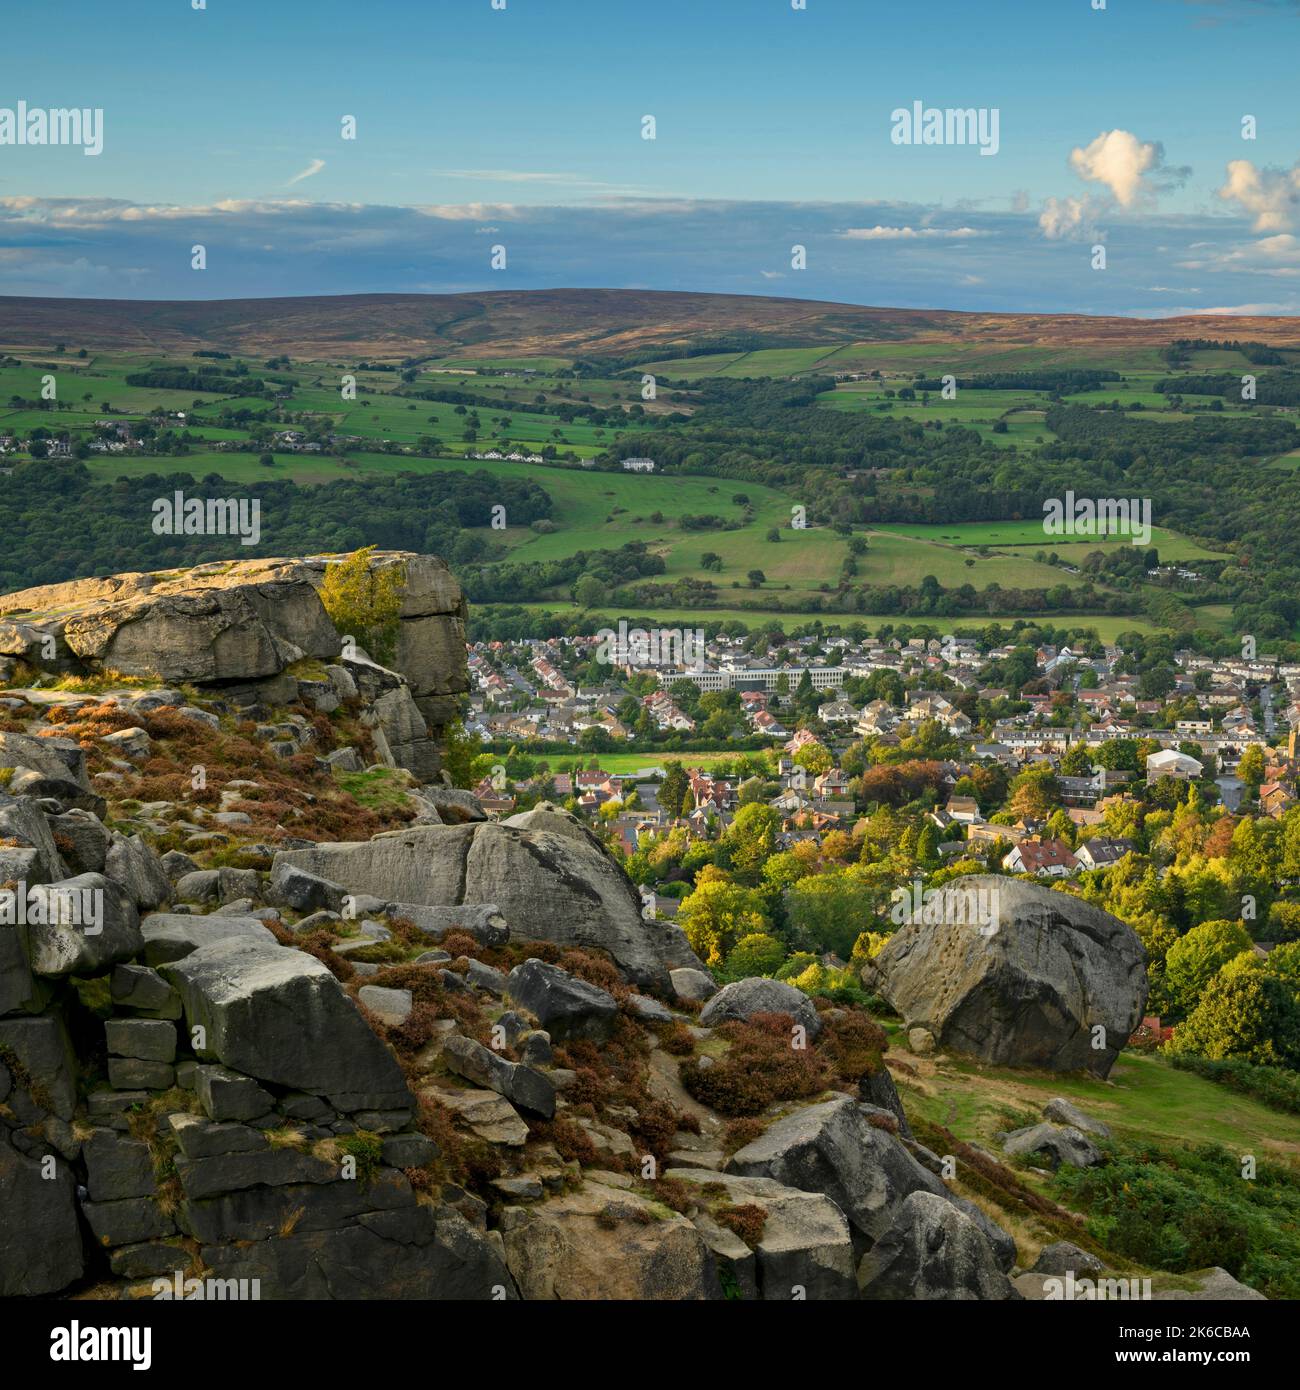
{"x": 806, "y": 1242}
{"x": 117, "y": 1167}
{"x": 1060, "y": 1111}
{"x": 536, "y": 1049}
{"x": 1061, "y": 1258}
{"x": 522, "y": 1085}
{"x": 200, "y": 1138}
{"x": 489, "y": 1115}
{"x": 745, "y": 998}
{"x": 605, "y": 1243}
{"x": 279, "y": 1015}
{"x": 1060, "y": 1143}
{"x": 296, "y": 888}
{"x": 391, "y": 1006}
{"x": 130, "y": 1074}
{"x": 564, "y": 1005}
{"x": 127, "y": 1222}
{"x": 226, "y": 1095}
{"x": 650, "y": 1010}
{"x": 692, "y": 986}
{"x": 170, "y": 936}
{"x": 139, "y": 987}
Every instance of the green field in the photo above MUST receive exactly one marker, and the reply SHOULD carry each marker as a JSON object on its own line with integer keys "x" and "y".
{"x": 1028, "y": 535}
{"x": 1144, "y": 1097}
{"x": 1107, "y": 627}
{"x": 597, "y": 510}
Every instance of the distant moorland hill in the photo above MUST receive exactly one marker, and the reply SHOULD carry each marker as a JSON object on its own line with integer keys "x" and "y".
{"x": 567, "y": 322}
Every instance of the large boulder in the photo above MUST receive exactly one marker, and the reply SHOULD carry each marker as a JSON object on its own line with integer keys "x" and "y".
{"x": 219, "y": 622}
{"x": 832, "y": 1148}
{"x": 136, "y": 866}
{"x": 606, "y": 1243}
{"x": 240, "y": 625}
{"x": 277, "y": 1014}
{"x": 521, "y": 1085}
{"x": 552, "y": 880}
{"x": 48, "y": 767}
{"x": 564, "y": 1005}
{"x": 415, "y": 1252}
{"x": 932, "y": 1250}
{"x": 1063, "y": 1112}
{"x": 40, "y": 1240}
{"x": 866, "y": 1171}
{"x": 87, "y": 925}
{"x": 740, "y": 1001}
{"x": 1018, "y": 975}
{"x": 1056, "y": 1144}
{"x": 45, "y": 1082}
{"x": 805, "y": 1250}
{"x": 170, "y": 936}
{"x": 31, "y": 854}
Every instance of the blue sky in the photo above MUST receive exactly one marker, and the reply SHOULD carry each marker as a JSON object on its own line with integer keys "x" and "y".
{"x": 522, "y": 127}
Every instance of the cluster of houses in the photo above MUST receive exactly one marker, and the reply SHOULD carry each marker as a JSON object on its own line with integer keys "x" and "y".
{"x": 515, "y": 457}
{"x": 524, "y": 690}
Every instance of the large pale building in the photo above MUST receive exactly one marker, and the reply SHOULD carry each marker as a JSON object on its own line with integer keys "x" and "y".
{"x": 765, "y": 678}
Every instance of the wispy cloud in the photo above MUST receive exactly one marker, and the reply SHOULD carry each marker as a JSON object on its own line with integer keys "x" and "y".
{"x": 542, "y": 178}
{"x": 309, "y": 172}
{"x": 910, "y": 233}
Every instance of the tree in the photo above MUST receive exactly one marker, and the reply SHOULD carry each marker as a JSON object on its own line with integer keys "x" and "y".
{"x": 589, "y": 591}
{"x": 751, "y": 838}
{"x": 363, "y": 602}
{"x": 1251, "y": 767}
{"x": 1077, "y": 762}
{"x": 1195, "y": 959}
{"x": 674, "y": 788}
{"x": 814, "y": 758}
{"x": 756, "y": 578}
{"x": 757, "y": 954}
{"x": 1034, "y": 794}
{"x": 828, "y": 911}
{"x": 718, "y": 914}
{"x": 1243, "y": 1013}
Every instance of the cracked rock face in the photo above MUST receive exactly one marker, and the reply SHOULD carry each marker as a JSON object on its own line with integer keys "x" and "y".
{"x": 240, "y": 625}
{"x": 1056, "y": 983}
{"x": 549, "y": 876}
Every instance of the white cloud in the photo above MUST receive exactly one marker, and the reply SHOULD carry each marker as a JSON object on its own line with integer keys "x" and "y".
{"x": 910, "y": 233}
{"x": 1120, "y": 161}
{"x": 1248, "y": 310}
{"x": 310, "y": 171}
{"x": 1269, "y": 195}
{"x": 1066, "y": 217}
{"x": 1272, "y": 255}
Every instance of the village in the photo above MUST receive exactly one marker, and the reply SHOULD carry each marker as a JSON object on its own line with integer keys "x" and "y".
{"x": 819, "y": 757}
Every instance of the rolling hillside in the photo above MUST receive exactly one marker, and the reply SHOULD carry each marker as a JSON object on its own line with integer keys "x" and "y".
{"x": 564, "y": 322}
